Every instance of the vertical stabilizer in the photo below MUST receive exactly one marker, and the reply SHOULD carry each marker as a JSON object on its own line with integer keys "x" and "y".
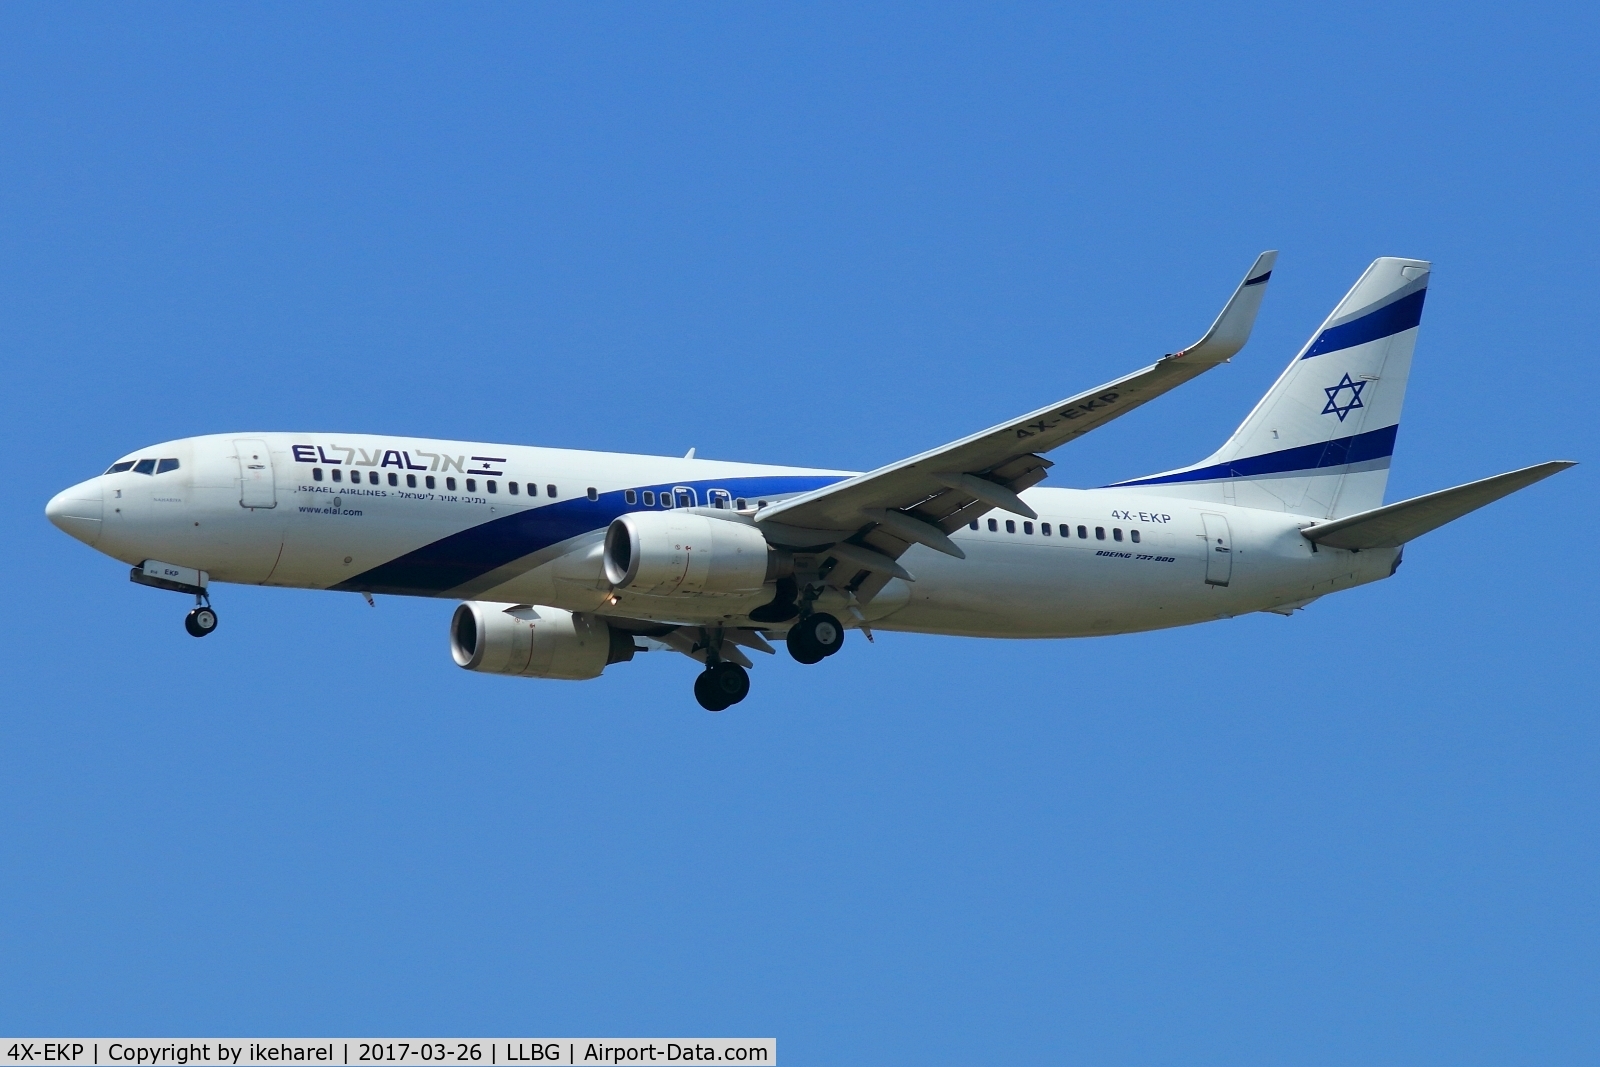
{"x": 1320, "y": 441}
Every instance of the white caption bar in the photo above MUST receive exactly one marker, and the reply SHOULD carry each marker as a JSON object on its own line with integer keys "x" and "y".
{"x": 362, "y": 1051}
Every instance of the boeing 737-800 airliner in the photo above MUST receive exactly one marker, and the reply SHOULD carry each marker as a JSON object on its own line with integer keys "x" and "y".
{"x": 568, "y": 561}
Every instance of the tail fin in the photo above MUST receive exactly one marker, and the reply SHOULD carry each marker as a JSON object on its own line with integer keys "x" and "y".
{"x": 1320, "y": 441}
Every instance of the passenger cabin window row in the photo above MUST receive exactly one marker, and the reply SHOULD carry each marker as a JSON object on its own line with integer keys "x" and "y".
{"x": 1065, "y": 529}
{"x": 430, "y": 482}
{"x": 143, "y": 466}
{"x": 682, "y": 497}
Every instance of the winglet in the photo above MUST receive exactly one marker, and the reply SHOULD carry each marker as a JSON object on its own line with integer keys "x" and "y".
{"x": 1232, "y": 328}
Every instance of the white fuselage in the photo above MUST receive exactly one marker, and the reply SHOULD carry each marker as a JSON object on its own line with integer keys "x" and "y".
{"x": 439, "y": 519}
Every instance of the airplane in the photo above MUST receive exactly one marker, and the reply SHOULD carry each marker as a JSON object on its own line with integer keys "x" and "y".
{"x": 566, "y": 562}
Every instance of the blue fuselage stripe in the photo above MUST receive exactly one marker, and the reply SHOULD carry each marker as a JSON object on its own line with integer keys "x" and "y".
{"x": 462, "y": 557}
{"x": 1375, "y": 444}
{"x": 1391, "y": 319}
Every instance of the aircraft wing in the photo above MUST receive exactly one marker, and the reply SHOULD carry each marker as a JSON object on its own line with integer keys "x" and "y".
{"x": 923, "y": 498}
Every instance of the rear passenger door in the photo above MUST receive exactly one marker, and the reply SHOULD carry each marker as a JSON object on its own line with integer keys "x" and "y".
{"x": 1219, "y": 550}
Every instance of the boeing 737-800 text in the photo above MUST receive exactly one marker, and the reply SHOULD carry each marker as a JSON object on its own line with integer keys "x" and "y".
{"x": 568, "y": 561}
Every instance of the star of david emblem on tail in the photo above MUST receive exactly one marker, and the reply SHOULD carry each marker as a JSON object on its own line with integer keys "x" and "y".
{"x": 1335, "y": 407}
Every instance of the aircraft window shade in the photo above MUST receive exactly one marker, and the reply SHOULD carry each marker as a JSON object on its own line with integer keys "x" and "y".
{"x": 1083, "y": 533}
{"x": 1027, "y": 527}
{"x": 491, "y": 486}
{"x": 1116, "y": 533}
{"x": 450, "y": 484}
{"x": 511, "y": 487}
{"x": 316, "y": 474}
{"x": 1134, "y": 535}
{"x": 336, "y": 475}
{"x": 593, "y": 493}
{"x": 145, "y": 466}
{"x": 1011, "y": 526}
{"x": 550, "y": 491}
{"x": 429, "y": 482}
{"x": 167, "y": 465}
{"x": 118, "y": 468}
{"x": 394, "y": 479}
{"x": 1044, "y": 529}
{"x": 649, "y": 499}
{"x": 1099, "y": 533}
{"x": 472, "y": 485}
{"x": 994, "y": 526}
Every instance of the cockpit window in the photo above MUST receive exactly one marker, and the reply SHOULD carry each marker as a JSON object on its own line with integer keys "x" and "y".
{"x": 118, "y": 468}
{"x": 145, "y": 466}
{"x": 167, "y": 465}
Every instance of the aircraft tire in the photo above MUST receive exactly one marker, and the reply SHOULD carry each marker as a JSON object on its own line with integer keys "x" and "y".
{"x": 802, "y": 646}
{"x": 200, "y": 622}
{"x": 720, "y": 687}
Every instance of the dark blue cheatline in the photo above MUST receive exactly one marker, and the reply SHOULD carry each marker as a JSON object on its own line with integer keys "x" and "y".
{"x": 453, "y": 561}
{"x": 1388, "y": 320}
{"x": 1374, "y": 444}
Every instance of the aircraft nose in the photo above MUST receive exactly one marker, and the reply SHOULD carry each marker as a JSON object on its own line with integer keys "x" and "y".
{"x": 79, "y": 511}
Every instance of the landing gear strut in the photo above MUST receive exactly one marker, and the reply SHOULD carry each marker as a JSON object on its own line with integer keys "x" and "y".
{"x": 721, "y": 686}
{"x": 202, "y": 619}
{"x": 815, "y": 636}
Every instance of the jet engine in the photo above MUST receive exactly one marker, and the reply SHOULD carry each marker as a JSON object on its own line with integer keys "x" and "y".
{"x": 663, "y": 553}
{"x": 535, "y": 641}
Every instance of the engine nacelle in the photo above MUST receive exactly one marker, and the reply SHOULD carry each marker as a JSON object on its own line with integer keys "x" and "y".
{"x": 535, "y": 642}
{"x": 663, "y": 553}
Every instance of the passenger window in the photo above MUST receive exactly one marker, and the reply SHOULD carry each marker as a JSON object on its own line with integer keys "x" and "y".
{"x": 1116, "y": 533}
{"x": 1135, "y": 535}
{"x": 1027, "y": 527}
{"x": 491, "y": 486}
{"x": 411, "y": 481}
{"x": 649, "y": 499}
{"x": 429, "y": 482}
{"x": 118, "y": 468}
{"x": 1099, "y": 533}
{"x": 472, "y": 485}
{"x": 740, "y": 504}
{"x": 666, "y": 499}
{"x": 994, "y": 527}
{"x": 316, "y": 474}
{"x": 511, "y": 487}
{"x": 450, "y": 484}
{"x": 1044, "y": 528}
{"x": 974, "y": 524}
{"x": 533, "y": 489}
{"x": 1011, "y": 526}
{"x": 550, "y": 491}
{"x": 145, "y": 466}
{"x": 372, "y": 477}
{"x": 394, "y": 479}
{"x": 685, "y": 498}
{"x": 761, "y": 503}
{"x": 593, "y": 493}
{"x": 336, "y": 475}
{"x": 1083, "y": 533}
{"x": 630, "y": 496}
{"x": 167, "y": 465}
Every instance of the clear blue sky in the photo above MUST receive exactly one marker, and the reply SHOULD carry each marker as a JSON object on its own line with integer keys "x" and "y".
{"x": 817, "y": 235}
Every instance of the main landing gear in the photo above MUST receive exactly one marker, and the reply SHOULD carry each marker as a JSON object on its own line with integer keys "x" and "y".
{"x": 721, "y": 686}
{"x": 202, "y": 619}
{"x": 815, "y": 636}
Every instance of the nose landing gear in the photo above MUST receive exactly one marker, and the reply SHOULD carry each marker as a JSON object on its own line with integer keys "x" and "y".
{"x": 202, "y": 618}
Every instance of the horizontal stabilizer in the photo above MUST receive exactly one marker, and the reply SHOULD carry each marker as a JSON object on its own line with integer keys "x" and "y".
{"x": 1395, "y": 524}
